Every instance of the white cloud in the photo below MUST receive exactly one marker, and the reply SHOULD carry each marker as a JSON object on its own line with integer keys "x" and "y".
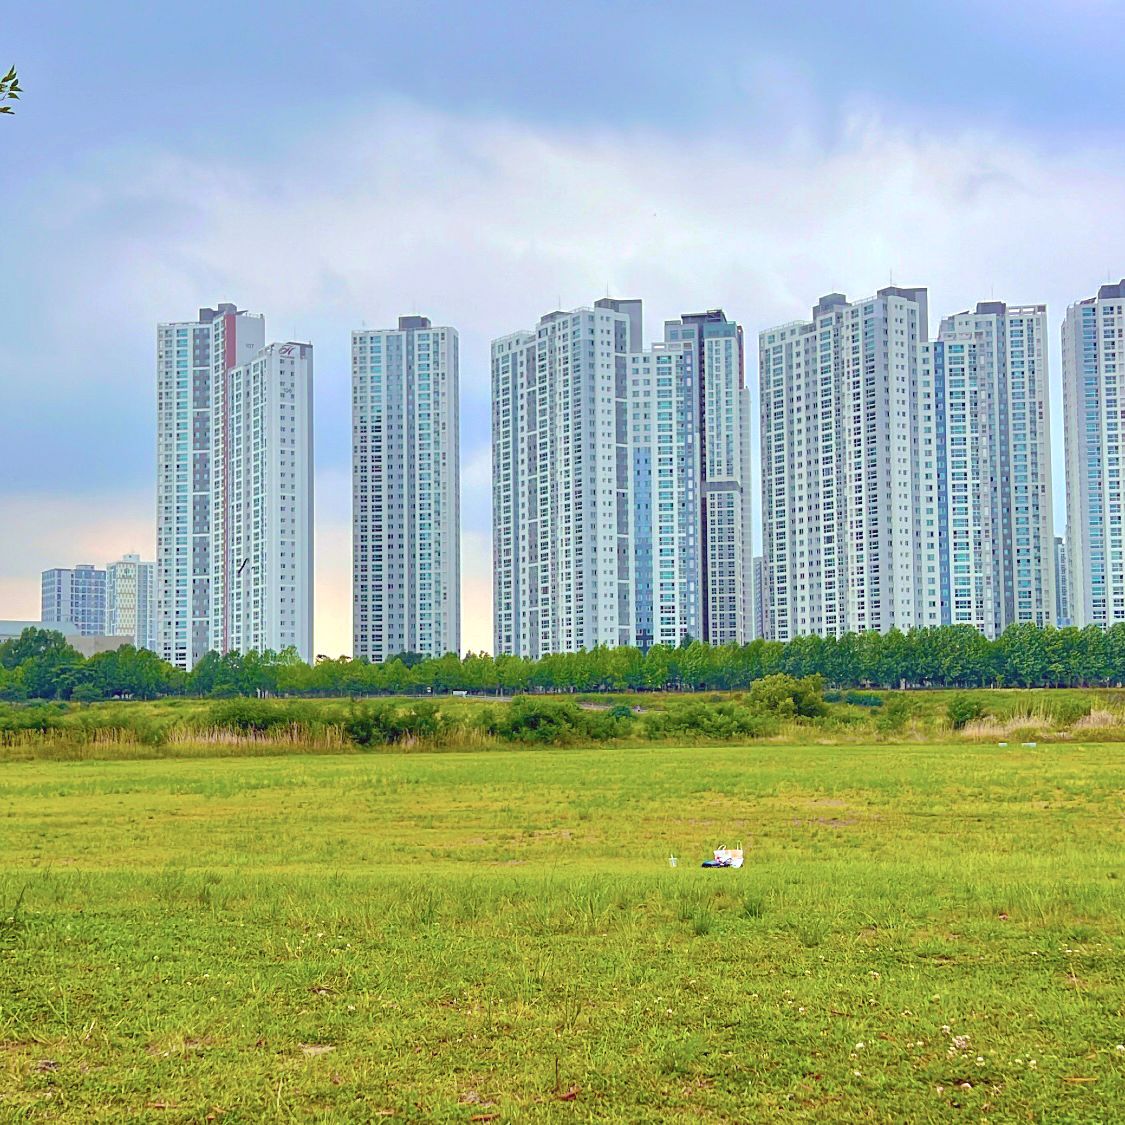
{"x": 485, "y": 224}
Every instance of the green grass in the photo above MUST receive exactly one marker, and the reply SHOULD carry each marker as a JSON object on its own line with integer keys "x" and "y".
{"x": 194, "y": 728}
{"x": 921, "y": 933}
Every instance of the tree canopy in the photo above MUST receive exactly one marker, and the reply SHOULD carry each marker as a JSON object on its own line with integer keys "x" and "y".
{"x": 39, "y": 664}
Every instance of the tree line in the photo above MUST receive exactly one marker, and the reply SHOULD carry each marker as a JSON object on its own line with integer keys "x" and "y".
{"x": 39, "y": 664}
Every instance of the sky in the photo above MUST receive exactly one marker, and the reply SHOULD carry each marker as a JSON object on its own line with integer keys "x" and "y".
{"x": 335, "y": 165}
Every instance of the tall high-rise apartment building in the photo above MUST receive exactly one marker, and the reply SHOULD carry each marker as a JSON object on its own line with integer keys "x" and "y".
{"x": 262, "y": 504}
{"x": 192, "y": 362}
{"x": 130, "y": 601}
{"x": 75, "y": 596}
{"x": 1093, "y": 373}
{"x": 838, "y": 453}
{"x": 664, "y": 506}
{"x": 906, "y": 481}
{"x": 1063, "y": 616}
{"x": 217, "y": 388}
{"x": 561, "y": 538}
{"x": 406, "y": 527}
{"x": 620, "y": 475}
{"x": 723, "y": 421}
{"x": 985, "y": 523}
{"x": 761, "y": 600}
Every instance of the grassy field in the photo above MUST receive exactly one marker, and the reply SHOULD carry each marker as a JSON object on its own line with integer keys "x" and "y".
{"x": 921, "y": 933}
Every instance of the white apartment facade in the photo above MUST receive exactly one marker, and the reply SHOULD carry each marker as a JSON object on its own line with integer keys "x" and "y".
{"x": 985, "y": 521}
{"x": 665, "y": 494}
{"x": 838, "y": 443}
{"x": 906, "y": 481}
{"x": 724, "y": 431}
{"x": 620, "y": 482}
{"x": 1063, "y": 615}
{"x": 761, "y": 601}
{"x": 406, "y": 524}
{"x": 234, "y": 488}
{"x": 562, "y": 546}
{"x": 1093, "y": 375}
{"x": 262, "y": 504}
{"x": 130, "y": 602}
{"x": 74, "y": 596}
{"x": 192, "y": 361}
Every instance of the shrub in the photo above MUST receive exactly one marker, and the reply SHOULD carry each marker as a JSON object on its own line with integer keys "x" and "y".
{"x": 718, "y": 721}
{"x": 541, "y": 721}
{"x": 1066, "y": 712}
{"x": 252, "y": 716}
{"x": 894, "y": 716}
{"x": 372, "y": 724}
{"x": 961, "y": 710}
{"x": 379, "y": 724}
{"x": 786, "y": 696}
{"x": 41, "y": 717}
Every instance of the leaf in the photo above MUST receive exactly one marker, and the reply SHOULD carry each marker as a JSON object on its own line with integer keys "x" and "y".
{"x": 314, "y": 1049}
{"x": 570, "y": 1095}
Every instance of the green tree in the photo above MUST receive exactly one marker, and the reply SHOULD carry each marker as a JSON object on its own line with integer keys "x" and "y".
{"x": 657, "y": 669}
{"x": 1022, "y": 654}
{"x": 30, "y": 643}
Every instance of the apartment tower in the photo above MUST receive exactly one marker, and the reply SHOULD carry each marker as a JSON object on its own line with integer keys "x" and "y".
{"x": 75, "y": 596}
{"x": 1063, "y": 616}
{"x": 838, "y": 445}
{"x": 620, "y": 482}
{"x": 192, "y": 362}
{"x": 986, "y": 532}
{"x": 406, "y": 526}
{"x": 130, "y": 601}
{"x": 1093, "y": 375}
{"x": 262, "y": 504}
{"x": 234, "y": 488}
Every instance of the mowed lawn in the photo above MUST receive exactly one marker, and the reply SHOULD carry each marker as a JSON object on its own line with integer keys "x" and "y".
{"x": 921, "y": 933}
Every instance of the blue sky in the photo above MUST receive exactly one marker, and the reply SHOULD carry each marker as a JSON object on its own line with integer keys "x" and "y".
{"x": 341, "y": 163}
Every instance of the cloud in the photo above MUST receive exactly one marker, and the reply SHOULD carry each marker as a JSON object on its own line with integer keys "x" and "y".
{"x": 484, "y": 223}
